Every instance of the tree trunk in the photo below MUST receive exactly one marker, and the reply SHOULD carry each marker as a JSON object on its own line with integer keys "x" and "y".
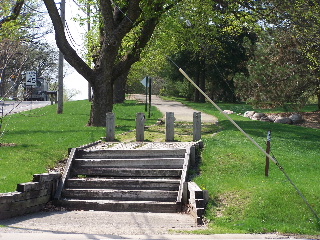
{"x": 318, "y": 96}
{"x": 196, "y": 91}
{"x": 102, "y": 101}
{"x": 202, "y": 83}
{"x": 119, "y": 88}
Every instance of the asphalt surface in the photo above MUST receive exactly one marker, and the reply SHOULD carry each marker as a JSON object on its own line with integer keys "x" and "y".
{"x": 181, "y": 112}
{"x": 11, "y": 107}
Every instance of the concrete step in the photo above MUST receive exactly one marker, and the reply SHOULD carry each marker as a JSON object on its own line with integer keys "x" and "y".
{"x": 131, "y": 153}
{"x": 125, "y": 184}
{"x": 125, "y": 172}
{"x": 121, "y": 195}
{"x": 159, "y": 163}
{"x": 120, "y": 206}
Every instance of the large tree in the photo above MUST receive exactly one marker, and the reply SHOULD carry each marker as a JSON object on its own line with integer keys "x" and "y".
{"x": 111, "y": 64}
{"x": 207, "y": 39}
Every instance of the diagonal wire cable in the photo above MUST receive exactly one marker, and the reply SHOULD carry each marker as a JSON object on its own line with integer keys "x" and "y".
{"x": 251, "y": 139}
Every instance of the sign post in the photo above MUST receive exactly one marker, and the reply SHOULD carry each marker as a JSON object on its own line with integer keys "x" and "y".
{"x": 147, "y": 83}
{"x": 149, "y": 115}
{"x": 31, "y": 80}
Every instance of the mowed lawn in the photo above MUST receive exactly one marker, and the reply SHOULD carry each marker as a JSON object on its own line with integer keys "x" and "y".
{"x": 41, "y": 137}
{"x": 243, "y": 199}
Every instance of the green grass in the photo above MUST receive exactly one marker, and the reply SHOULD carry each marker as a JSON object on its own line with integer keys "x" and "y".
{"x": 42, "y": 137}
{"x": 242, "y": 199}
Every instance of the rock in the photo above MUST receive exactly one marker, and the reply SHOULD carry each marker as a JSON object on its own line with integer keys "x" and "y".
{"x": 257, "y": 116}
{"x": 272, "y": 117}
{"x": 228, "y": 111}
{"x": 296, "y": 118}
{"x": 283, "y": 120}
{"x": 249, "y": 114}
{"x": 266, "y": 119}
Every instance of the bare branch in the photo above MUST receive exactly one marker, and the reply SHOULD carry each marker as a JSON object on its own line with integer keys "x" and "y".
{"x": 69, "y": 53}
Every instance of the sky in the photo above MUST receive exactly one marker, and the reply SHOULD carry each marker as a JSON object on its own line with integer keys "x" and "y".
{"x": 72, "y": 79}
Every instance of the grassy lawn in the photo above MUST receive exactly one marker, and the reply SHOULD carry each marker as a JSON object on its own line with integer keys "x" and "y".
{"x": 41, "y": 137}
{"x": 243, "y": 200}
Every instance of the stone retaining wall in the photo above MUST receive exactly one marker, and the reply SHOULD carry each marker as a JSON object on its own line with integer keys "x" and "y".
{"x": 29, "y": 197}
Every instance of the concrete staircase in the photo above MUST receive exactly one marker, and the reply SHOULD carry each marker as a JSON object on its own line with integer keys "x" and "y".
{"x": 143, "y": 180}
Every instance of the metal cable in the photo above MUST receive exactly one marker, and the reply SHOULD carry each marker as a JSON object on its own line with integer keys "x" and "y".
{"x": 252, "y": 140}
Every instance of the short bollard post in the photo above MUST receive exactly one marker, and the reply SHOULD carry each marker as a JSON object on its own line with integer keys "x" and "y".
{"x": 140, "y": 120}
{"x": 196, "y": 126}
{"x": 110, "y": 127}
{"x": 170, "y": 126}
{"x": 268, "y": 151}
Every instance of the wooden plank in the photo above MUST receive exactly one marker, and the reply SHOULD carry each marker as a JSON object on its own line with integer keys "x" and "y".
{"x": 127, "y": 172}
{"x": 111, "y": 194}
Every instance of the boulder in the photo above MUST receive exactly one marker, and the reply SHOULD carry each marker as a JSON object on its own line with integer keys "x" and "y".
{"x": 266, "y": 119}
{"x": 296, "y": 118}
{"x": 283, "y": 120}
{"x": 249, "y": 114}
{"x": 272, "y": 117}
{"x": 228, "y": 111}
{"x": 257, "y": 116}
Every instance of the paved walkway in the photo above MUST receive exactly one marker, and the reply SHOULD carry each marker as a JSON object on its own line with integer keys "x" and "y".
{"x": 182, "y": 113}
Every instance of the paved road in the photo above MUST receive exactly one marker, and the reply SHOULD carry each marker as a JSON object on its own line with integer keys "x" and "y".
{"x": 181, "y": 112}
{"x": 11, "y": 107}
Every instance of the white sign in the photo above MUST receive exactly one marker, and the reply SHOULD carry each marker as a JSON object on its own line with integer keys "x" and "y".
{"x": 31, "y": 78}
{"x": 144, "y": 81}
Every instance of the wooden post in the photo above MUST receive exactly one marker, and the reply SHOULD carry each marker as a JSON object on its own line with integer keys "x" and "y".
{"x": 268, "y": 151}
{"x": 140, "y": 120}
{"x": 169, "y": 126}
{"x": 196, "y": 126}
{"x": 110, "y": 127}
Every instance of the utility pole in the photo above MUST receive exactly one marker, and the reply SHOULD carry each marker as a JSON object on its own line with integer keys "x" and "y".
{"x": 89, "y": 28}
{"x": 61, "y": 58}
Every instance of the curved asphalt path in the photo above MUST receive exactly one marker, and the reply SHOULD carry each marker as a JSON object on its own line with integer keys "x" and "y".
{"x": 182, "y": 113}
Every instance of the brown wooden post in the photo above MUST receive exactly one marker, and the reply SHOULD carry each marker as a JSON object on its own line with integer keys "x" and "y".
{"x": 110, "y": 127}
{"x": 196, "y": 126}
{"x": 140, "y": 120}
{"x": 268, "y": 151}
{"x": 169, "y": 126}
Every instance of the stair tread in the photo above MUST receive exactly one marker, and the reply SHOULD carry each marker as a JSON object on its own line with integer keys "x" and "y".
{"x": 124, "y": 181}
{"x": 116, "y": 190}
{"x": 134, "y": 168}
{"x": 135, "y": 159}
{"x": 113, "y": 201}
